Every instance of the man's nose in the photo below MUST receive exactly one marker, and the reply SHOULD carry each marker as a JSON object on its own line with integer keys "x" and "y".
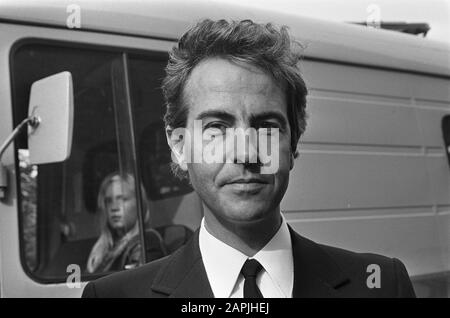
{"x": 246, "y": 149}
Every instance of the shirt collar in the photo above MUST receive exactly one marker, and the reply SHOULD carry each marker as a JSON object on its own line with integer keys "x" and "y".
{"x": 223, "y": 263}
{"x": 277, "y": 259}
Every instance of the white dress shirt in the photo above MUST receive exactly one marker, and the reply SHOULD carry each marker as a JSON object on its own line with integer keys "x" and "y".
{"x": 223, "y": 265}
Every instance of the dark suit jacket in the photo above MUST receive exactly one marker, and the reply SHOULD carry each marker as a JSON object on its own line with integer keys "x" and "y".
{"x": 319, "y": 271}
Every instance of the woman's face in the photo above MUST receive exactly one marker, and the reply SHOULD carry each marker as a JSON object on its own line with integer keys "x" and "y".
{"x": 120, "y": 203}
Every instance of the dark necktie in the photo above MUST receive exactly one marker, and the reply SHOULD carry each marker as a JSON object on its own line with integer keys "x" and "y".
{"x": 250, "y": 270}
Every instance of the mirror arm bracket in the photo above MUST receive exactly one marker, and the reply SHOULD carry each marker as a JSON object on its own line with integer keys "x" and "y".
{"x": 34, "y": 122}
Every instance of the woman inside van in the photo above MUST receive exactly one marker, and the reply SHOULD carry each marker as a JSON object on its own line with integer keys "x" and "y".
{"x": 118, "y": 246}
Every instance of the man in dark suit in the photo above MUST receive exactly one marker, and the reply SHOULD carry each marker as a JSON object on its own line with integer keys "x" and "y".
{"x": 226, "y": 77}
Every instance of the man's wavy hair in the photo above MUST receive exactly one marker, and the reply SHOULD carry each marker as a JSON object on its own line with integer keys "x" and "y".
{"x": 265, "y": 46}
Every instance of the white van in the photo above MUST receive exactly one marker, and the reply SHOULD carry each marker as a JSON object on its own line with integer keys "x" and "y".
{"x": 372, "y": 175}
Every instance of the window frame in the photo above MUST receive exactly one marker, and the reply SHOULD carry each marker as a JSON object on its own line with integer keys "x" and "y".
{"x": 125, "y": 53}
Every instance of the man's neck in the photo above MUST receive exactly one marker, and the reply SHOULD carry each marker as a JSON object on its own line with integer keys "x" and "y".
{"x": 246, "y": 237}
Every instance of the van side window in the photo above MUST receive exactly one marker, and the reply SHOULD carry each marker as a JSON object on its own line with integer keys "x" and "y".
{"x": 173, "y": 201}
{"x": 71, "y": 212}
{"x": 446, "y": 135}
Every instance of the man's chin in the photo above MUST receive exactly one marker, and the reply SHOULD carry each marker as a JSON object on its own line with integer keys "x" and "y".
{"x": 244, "y": 215}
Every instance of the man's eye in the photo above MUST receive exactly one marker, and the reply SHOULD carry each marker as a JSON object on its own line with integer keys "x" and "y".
{"x": 216, "y": 128}
{"x": 268, "y": 126}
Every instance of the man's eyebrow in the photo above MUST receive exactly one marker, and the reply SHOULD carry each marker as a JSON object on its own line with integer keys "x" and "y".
{"x": 217, "y": 114}
{"x": 269, "y": 115}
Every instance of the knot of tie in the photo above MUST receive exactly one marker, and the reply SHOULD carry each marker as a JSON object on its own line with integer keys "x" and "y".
{"x": 251, "y": 268}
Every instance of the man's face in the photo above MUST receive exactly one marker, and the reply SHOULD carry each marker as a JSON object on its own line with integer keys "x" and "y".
{"x": 224, "y": 95}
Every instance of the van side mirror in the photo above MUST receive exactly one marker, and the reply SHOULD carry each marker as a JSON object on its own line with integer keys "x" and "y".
{"x": 51, "y": 101}
{"x": 49, "y": 122}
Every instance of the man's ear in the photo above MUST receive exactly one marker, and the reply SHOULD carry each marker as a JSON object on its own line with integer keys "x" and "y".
{"x": 176, "y": 139}
{"x": 293, "y": 156}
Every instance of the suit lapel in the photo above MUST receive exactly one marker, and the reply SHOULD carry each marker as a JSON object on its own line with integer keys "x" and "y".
{"x": 184, "y": 275}
{"x": 315, "y": 272}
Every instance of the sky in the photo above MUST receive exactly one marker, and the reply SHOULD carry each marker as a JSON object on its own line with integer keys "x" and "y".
{"x": 434, "y": 12}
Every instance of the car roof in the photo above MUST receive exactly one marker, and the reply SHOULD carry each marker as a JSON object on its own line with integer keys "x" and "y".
{"x": 169, "y": 19}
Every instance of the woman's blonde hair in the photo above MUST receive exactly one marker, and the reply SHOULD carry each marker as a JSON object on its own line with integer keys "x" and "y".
{"x": 105, "y": 242}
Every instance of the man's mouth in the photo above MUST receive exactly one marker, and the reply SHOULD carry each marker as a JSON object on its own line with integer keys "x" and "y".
{"x": 250, "y": 185}
{"x": 247, "y": 181}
